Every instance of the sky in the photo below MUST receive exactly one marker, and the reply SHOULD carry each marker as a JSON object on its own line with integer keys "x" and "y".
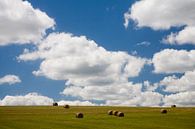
{"x": 97, "y": 52}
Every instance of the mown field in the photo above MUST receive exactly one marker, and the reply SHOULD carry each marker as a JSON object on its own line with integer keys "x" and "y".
{"x": 48, "y": 117}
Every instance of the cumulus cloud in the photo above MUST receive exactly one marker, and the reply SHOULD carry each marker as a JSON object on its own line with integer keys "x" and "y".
{"x": 165, "y": 16}
{"x": 9, "y": 79}
{"x": 122, "y": 94}
{"x": 81, "y": 61}
{"x": 142, "y": 99}
{"x": 76, "y": 103}
{"x": 33, "y": 99}
{"x": 181, "y": 99}
{"x": 148, "y": 86}
{"x": 91, "y": 72}
{"x": 178, "y": 90}
{"x": 174, "y": 61}
{"x": 122, "y": 91}
{"x": 181, "y": 89}
{"x": 20, "y": 23}
{"x": 28, "y": 99}
{"x": 185, "y": 36}
{"x": 182, "y": 84}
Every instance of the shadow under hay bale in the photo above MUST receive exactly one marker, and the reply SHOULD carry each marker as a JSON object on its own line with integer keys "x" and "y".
{"x": 79, "y": 115}
{"x": 55, "y": 104}
{"x": 115, "y": 113}
{"x": 110, "y": 112}
{"x": 173, "y": 106}
{"x": 120, "y": 114}
{"x": 163, "y": 111}
{"x": 66, "y": 106}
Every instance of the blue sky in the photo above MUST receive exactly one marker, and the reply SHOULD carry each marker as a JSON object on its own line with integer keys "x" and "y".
{"x": 103, "y": 22}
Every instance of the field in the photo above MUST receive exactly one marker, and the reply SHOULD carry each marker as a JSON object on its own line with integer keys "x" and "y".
{"x": 48, "y": 117}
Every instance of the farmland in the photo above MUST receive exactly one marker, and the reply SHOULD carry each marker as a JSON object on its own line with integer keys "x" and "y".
{"x": 49, "y": 117}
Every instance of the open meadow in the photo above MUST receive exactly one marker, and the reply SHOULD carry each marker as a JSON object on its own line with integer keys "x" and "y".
{"x": 49, "y": 117}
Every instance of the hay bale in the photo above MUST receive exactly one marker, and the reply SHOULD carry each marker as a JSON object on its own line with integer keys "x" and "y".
{"x": 163, "y": 111}
{"x": 120, "y": 114}
{"x": 173, "y": 106}
{"x": 110, "y": 112}
{"x": 66, "y": 106}
{"x": 115, "y": 113}
{"x": 79, "y": 115}
{"x": 55, "y": 104}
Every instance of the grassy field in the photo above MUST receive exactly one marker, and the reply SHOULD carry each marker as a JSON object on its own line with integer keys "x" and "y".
{"x": 48, "y": 117}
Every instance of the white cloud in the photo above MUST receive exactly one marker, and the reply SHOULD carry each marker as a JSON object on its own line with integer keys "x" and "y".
{"x": 148, "y": 86}
{"x": 9, "y": 79}
{"x": 91, "y": 72}
{"x": 76, "y": 103}
{"x": 134, "y": 53}
{"x": 120, "y": 91}
{"x": 167, "y": 14}
{"x": 28, "y": 99}
{"x": 122, "y": 94}
{"x": 127, "y": 17}
{"x": 20, "y": 23}
{"x": 184, "y": 83}
{"x": 180, "y": 99}
{"x": 82, "y": 61}
{"x": 181, "y": 90}
{"x": 144, "y": 43}
{"x": 142, "y": 99}
{"x": 164, "y": 16}
{"x": 185, "y": 36}
{"x": 37, "y": 99}
{"x": 174, "y": 61}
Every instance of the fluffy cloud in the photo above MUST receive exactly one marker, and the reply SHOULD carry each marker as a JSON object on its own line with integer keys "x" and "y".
{"x": 20, "y": 23}
{"x": 185, "y": 36}
{"x": 122, "y": 91}
{"x": 183, "y": 84}
{"x": 29, "y": 99}
{"x": 181, "y": 89}
{"x": 122, "y": 94}
{"x": 37, "y": 99}
{"x": 142, "y": 99}
{"x": 9, "y": 79}
{"x": 148, "y": 86}
{"x": 174, "y": 61}
{"x": 165, "y": 16}
{"x": 180, "y": 99}
{"x": 81, "y": 61}
{"x": 76, "y": 103}
{"x": 91, "y": 72}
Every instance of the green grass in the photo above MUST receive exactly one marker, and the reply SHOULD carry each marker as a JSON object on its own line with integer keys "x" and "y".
{"x": 48, "y": 117}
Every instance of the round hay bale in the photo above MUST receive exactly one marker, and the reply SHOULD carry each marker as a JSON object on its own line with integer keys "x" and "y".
{"x": 163, "y": 111}
{"x": 79, "y": 115}
{"x": 110, "y": 112}
{"x": 173, "y": 106}
{"x": 115, "y": 113}
{"x": 66, "y": 106}
{"x": 55, "y": 104}
{"x": 120, "y": 114}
